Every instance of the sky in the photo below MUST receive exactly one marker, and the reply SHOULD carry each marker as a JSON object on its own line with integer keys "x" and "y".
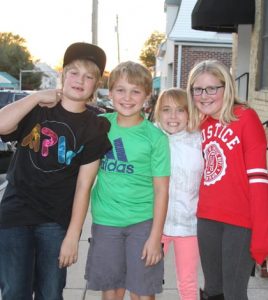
{"x": 50, "y": 26}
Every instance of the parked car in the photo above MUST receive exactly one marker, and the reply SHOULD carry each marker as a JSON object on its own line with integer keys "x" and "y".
{"x": 7, "y": 149}
{"x": 6, "y": 153}
{"x": 105, "y": 103}
{"x": 9, "y": 96}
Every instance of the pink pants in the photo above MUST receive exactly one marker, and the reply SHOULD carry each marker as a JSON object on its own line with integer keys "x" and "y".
{"x": 187, "y": 261}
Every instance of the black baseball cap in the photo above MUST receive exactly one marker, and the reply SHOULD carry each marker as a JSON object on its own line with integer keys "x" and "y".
{"x": 85, "y": 51}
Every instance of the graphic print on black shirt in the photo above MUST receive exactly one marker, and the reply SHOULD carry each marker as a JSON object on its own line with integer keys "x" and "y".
{"x": 51, "y": 140}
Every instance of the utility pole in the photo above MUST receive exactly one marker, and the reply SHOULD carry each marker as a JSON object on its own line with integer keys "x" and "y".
{"x": 117, "y": 35}
{"x": 94, "y": 24}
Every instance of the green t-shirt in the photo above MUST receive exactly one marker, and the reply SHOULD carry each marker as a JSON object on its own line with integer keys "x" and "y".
{"x": 124, "y": 193}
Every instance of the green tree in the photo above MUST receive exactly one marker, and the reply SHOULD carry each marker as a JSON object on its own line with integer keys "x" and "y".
{"x": 14, "y": 56}
{"x": 148, "y": 52}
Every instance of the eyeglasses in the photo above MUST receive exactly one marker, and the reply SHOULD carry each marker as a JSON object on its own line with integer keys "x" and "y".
{"x": 210, "y": 90}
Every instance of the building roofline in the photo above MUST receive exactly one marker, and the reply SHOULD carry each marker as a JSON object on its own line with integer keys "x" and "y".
{"x": 203, "y": 42}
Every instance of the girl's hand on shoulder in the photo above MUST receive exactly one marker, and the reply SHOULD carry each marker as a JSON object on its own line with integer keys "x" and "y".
{"x": 48, "y": 98}
{"x": 152, "y": 252}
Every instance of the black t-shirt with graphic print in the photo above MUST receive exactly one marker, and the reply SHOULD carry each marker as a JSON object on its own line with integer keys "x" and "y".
{"x": 52, "y": 145}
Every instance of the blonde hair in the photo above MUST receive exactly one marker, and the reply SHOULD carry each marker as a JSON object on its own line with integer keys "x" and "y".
{"x": 221, "y": 72}
{"x": 135, "y": 73}
{"x": 90, "y": 66}
{"x": 178, "y": 96}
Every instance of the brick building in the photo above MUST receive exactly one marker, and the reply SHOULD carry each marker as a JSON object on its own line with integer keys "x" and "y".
{"x": 192, "y": 54}
{"x": 247, "y": 20}
{"x": 257, "y": 38}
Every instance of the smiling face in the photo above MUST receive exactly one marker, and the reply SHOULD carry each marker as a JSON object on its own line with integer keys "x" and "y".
{"x": 172, "y": 116}
{"x": 210, "y": 105}
{"x": 128, "y": 100}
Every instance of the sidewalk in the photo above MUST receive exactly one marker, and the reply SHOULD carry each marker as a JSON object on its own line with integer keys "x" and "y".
{"x": 75, "y": 288}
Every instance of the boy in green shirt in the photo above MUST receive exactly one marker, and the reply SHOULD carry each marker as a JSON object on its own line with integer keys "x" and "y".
{"x": 129, "y": 200}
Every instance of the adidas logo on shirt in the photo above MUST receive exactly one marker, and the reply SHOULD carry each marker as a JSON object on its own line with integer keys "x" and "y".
{"x": 116, "y": 159}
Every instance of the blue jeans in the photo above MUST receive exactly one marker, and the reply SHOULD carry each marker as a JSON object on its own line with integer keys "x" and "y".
{"x": 29, "y": 262}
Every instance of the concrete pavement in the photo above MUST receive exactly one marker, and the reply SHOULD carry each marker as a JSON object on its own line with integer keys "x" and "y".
{"x": 75, "y": 288}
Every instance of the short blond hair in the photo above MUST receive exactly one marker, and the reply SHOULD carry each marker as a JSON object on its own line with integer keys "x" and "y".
{"x": 220, "y": 71}
{"x": 177, "y": 95}
{"x": 135, "y": 73}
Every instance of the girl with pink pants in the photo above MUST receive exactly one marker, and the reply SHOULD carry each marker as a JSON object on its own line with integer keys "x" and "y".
{"x": 171, "y": 115}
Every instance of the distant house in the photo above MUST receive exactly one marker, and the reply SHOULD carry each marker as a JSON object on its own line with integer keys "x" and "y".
{"x": 8, "y": 82}
{"x": 184, "y": 46}
{"x": 50, "y": 78}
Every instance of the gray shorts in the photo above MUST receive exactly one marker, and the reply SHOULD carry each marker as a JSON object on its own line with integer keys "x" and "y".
{"x": 114, "y": 260}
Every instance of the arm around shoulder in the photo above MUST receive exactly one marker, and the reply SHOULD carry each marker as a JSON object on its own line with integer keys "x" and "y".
{"x": 13, "y": 113}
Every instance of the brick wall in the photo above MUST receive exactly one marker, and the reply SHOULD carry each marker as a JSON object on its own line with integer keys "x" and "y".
{"x": 191, "y": 55}
{"x": 258, "y": 98}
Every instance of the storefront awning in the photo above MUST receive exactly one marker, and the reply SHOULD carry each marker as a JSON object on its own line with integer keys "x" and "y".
{"x": 222, "y": 15}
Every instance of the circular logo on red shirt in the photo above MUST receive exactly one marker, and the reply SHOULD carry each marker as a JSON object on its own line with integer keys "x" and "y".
{"x": 215, "y": 163}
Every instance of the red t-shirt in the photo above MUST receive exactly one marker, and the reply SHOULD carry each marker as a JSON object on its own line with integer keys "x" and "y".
{"x": 234, "y": 187}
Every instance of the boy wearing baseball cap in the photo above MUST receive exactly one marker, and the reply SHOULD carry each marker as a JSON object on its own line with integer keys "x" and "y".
{"x": 59, "y": 144}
